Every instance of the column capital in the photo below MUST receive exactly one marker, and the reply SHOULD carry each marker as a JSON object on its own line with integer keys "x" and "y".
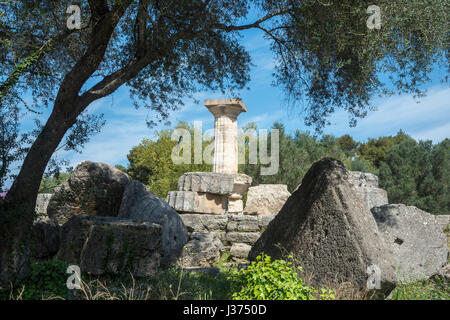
{"x": 225, "y": 107}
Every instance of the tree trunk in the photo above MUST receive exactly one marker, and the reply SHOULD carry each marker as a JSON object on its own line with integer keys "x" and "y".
{"x": 17, "y": 210}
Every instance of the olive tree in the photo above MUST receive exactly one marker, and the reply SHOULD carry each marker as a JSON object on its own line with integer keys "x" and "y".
{"x": 328, "y": 57}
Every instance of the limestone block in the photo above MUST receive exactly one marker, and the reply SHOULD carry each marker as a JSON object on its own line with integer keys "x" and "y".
{"x": 214, "y": 182}
{"x": 42, "y": 201}
{"x": 363, "y": 179}
{"x": 110, "y": 245}
{"x": 266, "y": 199}
{"x": 197, "y": 202}
{"x": 93, "y": 188}
{"x": 235, "y": 203}
{"x": 366, "y": 185}
{"x": 443, "y": 221}
{"x": 264, "y": 221}
{"x": 202, "y": 250}
{"x": 204, "y": 222}
{"x": 418, "y": 244}
{"x": 240, "y": 250}
{"x": 242, "y": 223}
{"x": 326, "y": 226}
{"x": 140, "y": 204}
{"x": 211, "y": 182}
{"x": 241, "y": 183}
{"x": 243, "y": 237}
{"x": 373, "y": 197}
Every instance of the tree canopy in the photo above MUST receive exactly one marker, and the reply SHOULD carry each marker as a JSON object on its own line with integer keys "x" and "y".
{"x": 415, "y": 173}
{"x": 418, "y": 174}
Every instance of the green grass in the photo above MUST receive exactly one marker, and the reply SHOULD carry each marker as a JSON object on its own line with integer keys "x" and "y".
{"x": 47, "y": 280}
{"x": 175, "y": 284}
{"x": 436, "y": 289}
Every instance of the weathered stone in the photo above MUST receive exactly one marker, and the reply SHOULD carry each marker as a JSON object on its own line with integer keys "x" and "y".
{"x": 211, "y": 182}
{"x": 444, "y": 273}
{"x": 417, "y": 241}
{"x": 204, "y": 222}
{"x": 195, "y": 202}
{"x": 203, "y": 250}
{"x": 73, "y": 236}
{"x": 119, "y": 247}
{"x": 209, "y": 192}
{"x": 235, "y": 203}
{"x": 210, "y": 203}
{"x": 225, "y": 113}
{"x": 363, "y": 179}
{"x": 109, "y": 245}
{"x": 242, "y": 223}
{"x": 443, "y": 221}
{"x": 42, "y": 202}
{"x": 44, "y": 239}
{"x": 325, "y": 225}
{"x": 241, "y": 183}
{"x": 367, "y": 186}
{"x": 264, "y": 221}
{"x": 266, "y": 199}
{"x": 240, "y": 250}
{"x": 220, "y": 235}
{"x": 214, "y": 182}
{"x": 94, "y": 188}
{"x": 373, "y": 197}
{"x": 141, "y": 204}
{"x": 243, "y": 237}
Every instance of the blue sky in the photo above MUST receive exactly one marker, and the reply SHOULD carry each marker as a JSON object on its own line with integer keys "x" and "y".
{"x": 126, "y": 127}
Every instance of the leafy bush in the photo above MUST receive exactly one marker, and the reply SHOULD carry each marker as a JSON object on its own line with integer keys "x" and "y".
{"x": 265, "y": 279}
{"x": 46, "y": 278}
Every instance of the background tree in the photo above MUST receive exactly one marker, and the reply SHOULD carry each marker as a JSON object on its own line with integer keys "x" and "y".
{"x": 348, "y": 145}
{"x": 296, "y": 155}
{"x": 49, "y": 182}
{"x": 413, "y": 172}
{"x": 418, "y": 174}
{"x": 167, "y": 50}
{"x": 375, "y": 150}
{"x": 150, "y": 162}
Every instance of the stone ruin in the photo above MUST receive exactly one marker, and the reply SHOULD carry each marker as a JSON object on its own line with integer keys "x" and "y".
{"x": 211, "y": 203}
{"x": 206, "y": 216}
{"x": 219, "y": 191}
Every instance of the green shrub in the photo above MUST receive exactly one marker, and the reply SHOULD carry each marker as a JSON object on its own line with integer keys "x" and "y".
{"x": 265, "y": 279}
{"x": 46, "y": 278}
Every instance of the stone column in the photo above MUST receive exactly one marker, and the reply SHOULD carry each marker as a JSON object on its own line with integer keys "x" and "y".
{"x": 225, "y": 113}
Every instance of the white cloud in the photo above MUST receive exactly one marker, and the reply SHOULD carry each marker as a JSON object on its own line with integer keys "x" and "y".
{"x": 436, "y": 134}
{"x": 428, "y": 119}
